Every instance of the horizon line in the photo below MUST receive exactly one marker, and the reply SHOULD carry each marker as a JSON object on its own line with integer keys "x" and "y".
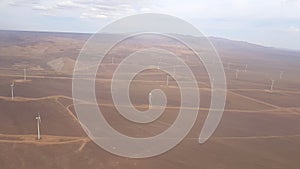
{"x": 91, "y": 33}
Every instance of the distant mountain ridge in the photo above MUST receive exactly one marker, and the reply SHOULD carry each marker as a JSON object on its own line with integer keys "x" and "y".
{"x": 40, "y": 48}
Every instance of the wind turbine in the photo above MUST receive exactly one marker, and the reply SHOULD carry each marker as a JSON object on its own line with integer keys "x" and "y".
{"x": 167, "y": 83}
{"x": 174, "y": 71}
{"x": 246, "y": 66}
{"x": 25, "y": 76}
{"x": 112, "y": 60}
{"x": 38, "y": 121}
{"x": 272, "y": 84}
{"x": 236, "y": 73}
{"x": 150, "y": 97}
{"x": 159, "y": 62}
{"x": 12, "y": 90}
{"x": 281, "y": 73}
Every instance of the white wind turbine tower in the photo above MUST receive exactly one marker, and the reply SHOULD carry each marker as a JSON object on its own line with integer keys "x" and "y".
{"x": 236, "y": 73}
{"x": 12, "y": 90}
{"x": 112, "y": 60}
{"x": 281, "y": 74}
{"x": 150, "y": 97}
{"x": 272, "y": 85}
{"x": 159, "y": 62}
{"x": 174, "y": 72}
{"x": 246, "y": 66}
{"x": 25, "y": 75}
{"x": 167, "y": 82}
{"x": 38, "y": 121}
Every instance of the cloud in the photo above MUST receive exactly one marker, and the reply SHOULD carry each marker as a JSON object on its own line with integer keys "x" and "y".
{"x": 294, "y": 29}
{"x": 22, "y": 2}
{"x": 186, "y": 9}
{"x": 92, "y": 16}
{"x": 110, "y": 9}
{"x": 85, "y": 9}
{"x": 239, "y": 19}
{"x": 69, "y": 5}
{"x": 42, "y": 7}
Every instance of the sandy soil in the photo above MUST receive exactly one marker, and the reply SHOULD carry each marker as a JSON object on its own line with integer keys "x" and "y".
{"x": 260, "y": 129}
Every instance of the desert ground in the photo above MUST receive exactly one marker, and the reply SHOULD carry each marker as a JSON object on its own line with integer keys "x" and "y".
{"x": 260, "y": 128}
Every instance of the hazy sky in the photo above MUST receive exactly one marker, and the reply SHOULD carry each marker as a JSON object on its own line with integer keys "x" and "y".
{"x": 267, "y": 22}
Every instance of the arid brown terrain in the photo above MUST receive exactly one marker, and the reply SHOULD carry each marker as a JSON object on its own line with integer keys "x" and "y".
{"x": 260, "y": 128}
